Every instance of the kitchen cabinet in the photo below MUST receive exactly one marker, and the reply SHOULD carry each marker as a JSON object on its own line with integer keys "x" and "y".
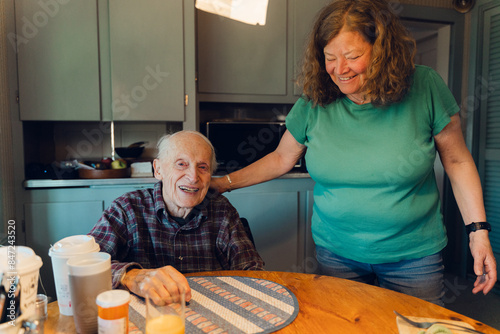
{"x": 102, "y": 60}
{"x": 147, "y": 60}
{"x": 279, "y": 214}
{"x": 304, "y": 14}
{"x": 242, "y": 62}
{"x": 58, "y": 60}
{"x": 47, "y": 223}
{"x": 278, "y": 211}
{"x": 238, "y": 62}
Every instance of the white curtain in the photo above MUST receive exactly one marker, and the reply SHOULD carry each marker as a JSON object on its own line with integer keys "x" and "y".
{"x": 7, "y": 207}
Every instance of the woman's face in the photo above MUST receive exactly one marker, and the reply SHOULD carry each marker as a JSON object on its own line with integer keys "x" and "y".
{"x": 346, "y": 59}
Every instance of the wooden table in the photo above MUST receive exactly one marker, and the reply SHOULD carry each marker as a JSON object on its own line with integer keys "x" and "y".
{"x": 327, "y": 305}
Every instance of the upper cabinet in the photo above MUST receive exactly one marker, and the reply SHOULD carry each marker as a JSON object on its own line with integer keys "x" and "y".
{"x": 58, "y": 60}
{"x": 147, "y": 60}
{"x": 304, "y": 14}
{"x": 238, "y": 62}
{"x": 104, "y": 60}
{"x": 242, "y": 62}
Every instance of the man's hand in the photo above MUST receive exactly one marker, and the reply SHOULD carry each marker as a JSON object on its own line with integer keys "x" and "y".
{"x": 484, "y": 262}
{"x": 163, "y": 285}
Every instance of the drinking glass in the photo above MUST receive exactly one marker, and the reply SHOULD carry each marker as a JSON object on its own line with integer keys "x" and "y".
{"x": 165, "y": 319}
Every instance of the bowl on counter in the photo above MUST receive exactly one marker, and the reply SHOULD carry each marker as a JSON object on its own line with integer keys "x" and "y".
{"x": 129, "y": 152}
{"x": 132, "y": 151}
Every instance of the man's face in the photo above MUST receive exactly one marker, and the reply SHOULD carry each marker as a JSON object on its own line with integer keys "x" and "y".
{"x": 185, "y": 173}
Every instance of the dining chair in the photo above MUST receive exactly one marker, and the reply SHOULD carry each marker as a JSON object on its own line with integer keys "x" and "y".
{"x": 246, "y": 225}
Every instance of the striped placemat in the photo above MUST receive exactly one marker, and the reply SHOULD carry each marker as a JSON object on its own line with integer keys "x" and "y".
{"x": 231, "y": 304}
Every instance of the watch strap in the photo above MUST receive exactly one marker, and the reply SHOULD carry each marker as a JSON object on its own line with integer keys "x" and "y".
{"x": 472, "y": 227}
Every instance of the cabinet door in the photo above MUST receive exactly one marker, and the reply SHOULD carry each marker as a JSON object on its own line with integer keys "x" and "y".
{"x": 47, "y": 223}
{"x": 304, "y": 15}
{"x": 58, "y": 60}
{"x": 147, "y": 60}
{"x": 238, "y": 58}
{"x": 274, "y": 222}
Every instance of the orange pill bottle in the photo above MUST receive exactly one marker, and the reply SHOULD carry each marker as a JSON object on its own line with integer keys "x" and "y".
{"x": 112, "y": 312}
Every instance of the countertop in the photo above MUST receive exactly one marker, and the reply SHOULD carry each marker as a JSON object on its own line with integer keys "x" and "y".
{"x": 72, "y": 183}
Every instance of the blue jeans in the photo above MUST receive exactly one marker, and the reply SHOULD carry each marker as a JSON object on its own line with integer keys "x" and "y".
{"x": 422, "y": 278}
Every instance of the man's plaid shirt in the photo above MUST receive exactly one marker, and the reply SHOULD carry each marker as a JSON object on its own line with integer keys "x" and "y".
{"x": 138, "y": 232}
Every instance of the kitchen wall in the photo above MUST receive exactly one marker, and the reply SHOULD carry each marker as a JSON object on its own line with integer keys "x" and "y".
{"x": 466, "y": 50}
{"x": 7, "y": 206}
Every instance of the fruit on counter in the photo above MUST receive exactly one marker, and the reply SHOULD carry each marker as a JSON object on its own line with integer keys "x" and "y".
{"x": 119, "y": 164}
{"x": 107, "y": 162}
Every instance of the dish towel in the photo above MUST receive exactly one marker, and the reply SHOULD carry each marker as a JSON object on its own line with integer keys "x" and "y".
{"x": 230, "y": 304}
{"x": 247, "y": 11}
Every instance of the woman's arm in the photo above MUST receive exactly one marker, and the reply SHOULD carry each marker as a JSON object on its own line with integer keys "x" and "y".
{"x": 269, "y": 167}
{"x": 464, "y": 178}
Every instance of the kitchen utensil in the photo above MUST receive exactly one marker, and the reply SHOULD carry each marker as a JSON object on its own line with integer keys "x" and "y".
{"x": 138, "y": 144}
{"x": 85, "y": 166}
{"x": 426, "y": 324}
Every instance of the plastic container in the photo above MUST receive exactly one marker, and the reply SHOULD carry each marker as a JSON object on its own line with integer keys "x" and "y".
{"x": 89, "y": 275}
{"x": 112, "y": 308}
{"x": 23, "y": 262}
{"x": 60, "y": 253}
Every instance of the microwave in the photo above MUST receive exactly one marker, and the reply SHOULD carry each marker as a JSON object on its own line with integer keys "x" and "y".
{"x": 237, "y": 144}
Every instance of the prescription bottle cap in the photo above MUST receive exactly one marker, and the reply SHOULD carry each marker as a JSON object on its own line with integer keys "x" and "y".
{"x": 112, "y": 298}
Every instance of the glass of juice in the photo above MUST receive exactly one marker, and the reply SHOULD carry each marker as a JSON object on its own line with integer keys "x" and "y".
{"x": 165, "y": 319}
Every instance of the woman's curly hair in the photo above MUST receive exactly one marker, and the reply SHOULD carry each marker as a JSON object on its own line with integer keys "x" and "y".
{"x": 392, "y": 58}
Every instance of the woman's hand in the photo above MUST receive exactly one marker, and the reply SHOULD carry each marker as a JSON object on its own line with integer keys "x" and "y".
{"x": 219, "y": 184}
{"x": 271, "y": 166}
{"x": 461, "y": 170}
{"x": 485, "y": 266}
{"x": 163, "y": 285}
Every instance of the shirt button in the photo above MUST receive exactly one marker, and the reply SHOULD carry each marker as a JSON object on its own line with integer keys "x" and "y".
{"x": 180, "y": 258}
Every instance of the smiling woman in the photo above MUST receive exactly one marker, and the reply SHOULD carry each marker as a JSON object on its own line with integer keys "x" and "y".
{"x": 370, "y": 123}
{"x": 346, "y": 61}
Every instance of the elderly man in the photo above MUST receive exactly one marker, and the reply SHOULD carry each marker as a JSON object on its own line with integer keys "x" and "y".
{"x": 154, "y": 235}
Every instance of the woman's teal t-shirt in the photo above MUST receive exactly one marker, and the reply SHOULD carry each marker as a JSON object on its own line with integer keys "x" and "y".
{"x": 376, "y": 198}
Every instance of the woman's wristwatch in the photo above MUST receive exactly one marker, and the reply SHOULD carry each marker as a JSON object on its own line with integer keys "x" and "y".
{"x": 472, "y": 227}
